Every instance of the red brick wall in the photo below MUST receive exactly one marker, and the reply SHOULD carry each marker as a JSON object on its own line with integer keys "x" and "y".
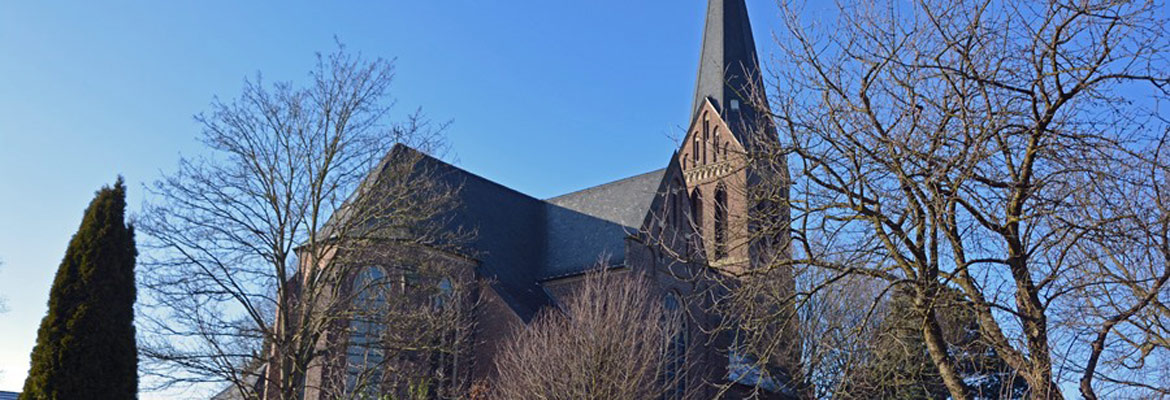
{"x": 719, "y": 160}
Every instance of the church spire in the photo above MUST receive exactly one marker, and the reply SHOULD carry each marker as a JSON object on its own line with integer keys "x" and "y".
{"x": 729, "y": 69}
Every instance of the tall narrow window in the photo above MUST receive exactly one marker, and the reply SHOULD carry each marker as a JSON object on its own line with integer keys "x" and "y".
{"x": 720, "y": 222}
{"x": 372, "y": 289}
{"x": 695, "y": 150}
{"x": 697, "y": 211}
{"x": 706, "y": 137}
{"x": 715, "y": 154}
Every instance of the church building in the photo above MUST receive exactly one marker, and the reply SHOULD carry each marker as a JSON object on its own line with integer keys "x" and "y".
{"x": 693, "y": 215}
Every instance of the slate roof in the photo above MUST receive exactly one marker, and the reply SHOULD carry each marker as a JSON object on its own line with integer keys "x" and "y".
{"x": 519, "y": 240}
{"x": 585, "y": 225}
{"x": 509, "y": 238}
{"x": 729, "y": 67}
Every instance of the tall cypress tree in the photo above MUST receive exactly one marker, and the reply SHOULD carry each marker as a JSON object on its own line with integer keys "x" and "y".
{"x": 85, "y": 346}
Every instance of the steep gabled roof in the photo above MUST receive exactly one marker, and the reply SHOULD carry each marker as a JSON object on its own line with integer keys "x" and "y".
{"x": 506, "y": 235}
{"x": 508, "y": 238}
{"x": 591, "y": 225}
{"x": 670, "y": 178}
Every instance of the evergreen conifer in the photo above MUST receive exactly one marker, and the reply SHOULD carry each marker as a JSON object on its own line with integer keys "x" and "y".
{"x": 85, "y": 345}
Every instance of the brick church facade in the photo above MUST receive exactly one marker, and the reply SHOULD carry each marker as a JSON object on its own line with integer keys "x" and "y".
{"x": 690, "y": 216}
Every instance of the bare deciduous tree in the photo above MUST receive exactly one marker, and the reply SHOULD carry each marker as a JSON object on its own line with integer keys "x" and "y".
{"x": 613, "y": 338}
{"x": 1010, "y": 153}
{"x": 275, "y": 261}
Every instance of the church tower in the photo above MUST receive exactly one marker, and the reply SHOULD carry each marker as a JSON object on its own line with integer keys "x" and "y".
{"x": 725, "y": 155}
{"x": 736, "y": 178}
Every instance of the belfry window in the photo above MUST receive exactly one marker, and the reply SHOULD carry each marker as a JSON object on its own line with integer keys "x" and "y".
{"x": 720, "y": 222}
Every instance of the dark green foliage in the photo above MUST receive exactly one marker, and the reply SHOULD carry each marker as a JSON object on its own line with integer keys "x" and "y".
{"x": 900, "y": 366}
{"x": 85, "y": 346}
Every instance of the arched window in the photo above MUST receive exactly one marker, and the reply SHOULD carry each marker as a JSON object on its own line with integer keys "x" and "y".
{"x": 715, "y": 154}
{"x": 706, "y": 137}
{"x": 373, "y": 287}
{"x": 697, "y": 210}
{"x": 444, "y": 293}
{"x": 695, "y": 150}
{"x": 704, "y": 148}
{"x": 720, "y": 222}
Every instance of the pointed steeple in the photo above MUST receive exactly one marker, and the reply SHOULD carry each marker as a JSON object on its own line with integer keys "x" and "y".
{"x": 729, "y": 69}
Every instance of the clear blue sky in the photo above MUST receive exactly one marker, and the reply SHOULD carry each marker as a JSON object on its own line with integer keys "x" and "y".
{"x": 546, "y": 97}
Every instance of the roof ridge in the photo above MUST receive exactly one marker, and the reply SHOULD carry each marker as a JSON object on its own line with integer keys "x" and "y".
{"x": 601, "y": 185}
{"x": 469, "y": 173}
